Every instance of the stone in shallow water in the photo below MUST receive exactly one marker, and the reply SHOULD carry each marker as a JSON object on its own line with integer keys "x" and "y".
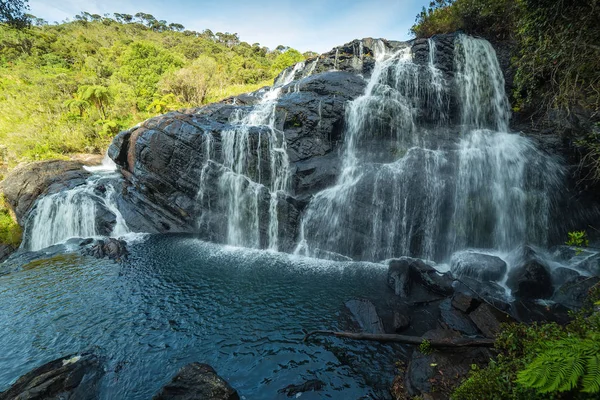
{"x": 296, "y": 390}
{"x": 74, "y": 377}
{"x": 365, "y": 314}
{"x": 483, "y": 267}
{"x": 197, "y": 382}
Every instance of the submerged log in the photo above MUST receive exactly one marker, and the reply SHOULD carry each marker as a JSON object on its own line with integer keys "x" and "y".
{"x": 416, "y": 340}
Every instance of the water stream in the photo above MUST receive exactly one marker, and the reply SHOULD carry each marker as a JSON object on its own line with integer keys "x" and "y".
{"x": 408, "y": 186}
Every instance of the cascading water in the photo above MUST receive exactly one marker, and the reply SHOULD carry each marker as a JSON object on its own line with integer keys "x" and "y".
{"x": 254, "y": 165}
{"x": 480, "y": 83}
{"x": 406, "y": 190}
{"x": 74, "y": 212}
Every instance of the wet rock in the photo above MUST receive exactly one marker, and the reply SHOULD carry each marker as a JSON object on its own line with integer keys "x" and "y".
{"x": 483, "y": 267}
{"x": 488, "y": 319}
{"x": 562, "y": 275}
{"x": 399, "y": 277}
{"x": 530, "y": 281}
{"x": 429, "y": 277}
{"x": 111, "y": 248}
{"x": 528, "y": 311}
{"x": 74, "y": 377}
{"x": 464, "y": 303}
{"x": 590, "y": 264}
{"x": 197, "y": 382}
{"x": 401, "y": 321}
{"x": 405, "y": 273}
{"x": 313, "y": 385}
{"x": 489, "y": 291}
{"x": 455, "y": 319}
{"x": 573, "y": 294}
{"x": 5, "y": 251}
{"x": 365, "y": 314}
{"x": 440, "y": 371}
{"x": 27, "y": 182}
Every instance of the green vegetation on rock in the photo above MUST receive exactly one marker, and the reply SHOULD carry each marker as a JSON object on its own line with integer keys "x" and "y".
{"x": 70, "y": 87}
{"x": 542, "y": 361}
{"x": 557, "y": 57}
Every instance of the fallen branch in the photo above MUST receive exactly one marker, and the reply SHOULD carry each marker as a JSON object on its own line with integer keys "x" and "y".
{"x": 417, "y": 340}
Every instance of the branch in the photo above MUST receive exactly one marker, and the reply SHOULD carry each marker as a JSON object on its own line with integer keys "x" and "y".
{"x": 417, "y": 340}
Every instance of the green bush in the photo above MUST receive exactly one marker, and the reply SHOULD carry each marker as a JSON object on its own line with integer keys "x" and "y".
{"x": 10, "y": 231}
{"x": 542, "y": 361}
{"x": 68, "y": 88}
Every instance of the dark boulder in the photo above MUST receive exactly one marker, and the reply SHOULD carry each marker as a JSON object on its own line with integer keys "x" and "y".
{"x": 456, "y": 319}
{"x": 491, "y": 292}
{"x": 405, "y": 273}
{"x": 27, "y": 182}
{"x": 574, "y": 293}
{"x": 401, "y": 320}
{"x": 365, "y": 315}
{"x": 488, "y": 319}
{"x": 464, "y": 303}
{"x": 530, "y": 281}
{"x": 483, "y": 267}
{"x": 197, "y": 382}
{"x": 74, "y": 377}
{"x": 111, "y": 248}
{"x": 313, "y": 385}
{"x": 5, "y": 251}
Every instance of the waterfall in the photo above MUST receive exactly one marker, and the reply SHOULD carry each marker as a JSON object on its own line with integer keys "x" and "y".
{"x": 403, "y": 190}
{"x": 74, "y": 213}
{"x": 254, "y": 166}
{"x": 480, "y": 84}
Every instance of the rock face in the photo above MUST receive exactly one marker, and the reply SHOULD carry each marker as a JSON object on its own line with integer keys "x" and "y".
{"x": 197, "y": 382}
{"x": 27, "y": 182}
{"x": 173, "y": 182}
{"x": 73, "y": 377}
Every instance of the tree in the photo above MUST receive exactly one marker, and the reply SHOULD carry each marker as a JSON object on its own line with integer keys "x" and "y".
{"x": 191, "y": 84}
{"x": 97, "y": 95}
{"x": 13, "y": 12}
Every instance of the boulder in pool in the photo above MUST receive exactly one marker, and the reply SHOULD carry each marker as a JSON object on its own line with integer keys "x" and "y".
{"x": 74, "y": 377}
{"x": 197, "y": 382}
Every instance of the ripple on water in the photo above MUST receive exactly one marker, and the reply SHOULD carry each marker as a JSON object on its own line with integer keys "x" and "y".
{"x": 178, "y": 300}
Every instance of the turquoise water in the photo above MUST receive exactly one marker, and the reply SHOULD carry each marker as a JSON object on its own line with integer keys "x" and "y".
{"x": 178, "y": 300}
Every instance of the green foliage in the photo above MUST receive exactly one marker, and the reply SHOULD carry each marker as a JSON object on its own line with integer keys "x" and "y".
{"x": 69, "y": 87}
{"x": 578, "y": 239}
{"x": 10, "y": 231}
{"x": 492, "y": 18}
{"x": 542, "y": 361}
{"x": 425, "y": 347}
{"x": 286, "y": 59}
{"x": 563, "y": 365}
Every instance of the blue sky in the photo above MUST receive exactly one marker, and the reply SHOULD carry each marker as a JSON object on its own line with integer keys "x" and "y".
{"x": 316, "y": 25}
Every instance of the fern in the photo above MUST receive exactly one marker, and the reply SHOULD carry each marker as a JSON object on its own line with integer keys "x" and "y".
{"x": 564, "y": 365}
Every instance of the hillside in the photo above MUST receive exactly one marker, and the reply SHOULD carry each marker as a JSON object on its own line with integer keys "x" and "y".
{"x": 70, "y": 87}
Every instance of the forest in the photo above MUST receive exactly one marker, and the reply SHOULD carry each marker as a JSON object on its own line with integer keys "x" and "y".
{"x": 69, "y": 87}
